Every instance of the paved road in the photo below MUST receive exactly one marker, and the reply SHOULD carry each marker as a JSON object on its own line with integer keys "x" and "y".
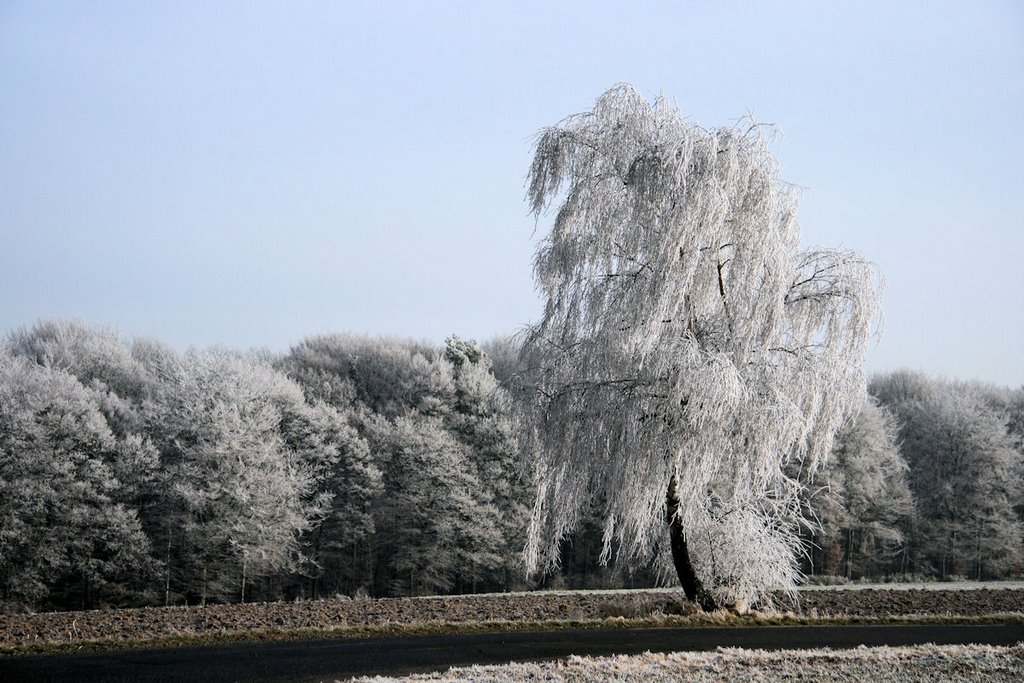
{"x": 332, "y": 659}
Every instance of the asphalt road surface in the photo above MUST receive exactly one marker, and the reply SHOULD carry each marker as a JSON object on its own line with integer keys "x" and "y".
{"x": 328, "y": 660}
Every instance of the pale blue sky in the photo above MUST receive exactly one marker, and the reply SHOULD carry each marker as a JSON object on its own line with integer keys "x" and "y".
{"x": 251, "y": 173}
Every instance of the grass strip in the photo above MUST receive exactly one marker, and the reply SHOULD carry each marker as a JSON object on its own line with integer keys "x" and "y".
{"x": 714, "y": 619}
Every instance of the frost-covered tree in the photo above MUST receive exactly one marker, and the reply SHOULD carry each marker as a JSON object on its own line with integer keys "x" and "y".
{"x": 504, "y": 352}
{"x": 437, "y": 426}
{"x": 385, "y": 376}
{"x": 117, "y": 384}
{"x": 373, "y": 381}
{"x": 67, "y": 536}
{"x": 98, "y": 358}
{"x": 432, "y": 529}
{"x": 242, "y": 478}
{"x": 964, "y": 473}
{"x": 861, "y": 497}
{"x": 689, "y": 350}
{"x": 480, "y": 418}
{"x": 349, "y": 476}
{"x": 1010, "y": 404}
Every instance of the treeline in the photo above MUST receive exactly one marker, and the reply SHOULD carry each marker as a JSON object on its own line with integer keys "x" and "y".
{"x": 133, "y": 474}
{"x": 927, "y": 483}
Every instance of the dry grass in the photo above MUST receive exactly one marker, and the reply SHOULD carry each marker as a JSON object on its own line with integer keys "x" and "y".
{"x": 721, "y": 619}
{"x": 929, "y": 663}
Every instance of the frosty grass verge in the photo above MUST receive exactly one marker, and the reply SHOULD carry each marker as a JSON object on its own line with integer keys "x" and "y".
{"x": 917, "y": 663}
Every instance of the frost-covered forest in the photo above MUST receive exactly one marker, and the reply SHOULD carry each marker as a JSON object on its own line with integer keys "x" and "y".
{"x": 134, "y": 474}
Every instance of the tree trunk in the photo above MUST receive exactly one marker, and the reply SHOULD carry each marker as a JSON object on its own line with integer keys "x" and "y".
{"x": 849, "y": 553}
{"x": 167, "y": 566}
{"x": 978, "y": 554}
{"x": 692, "y": 586}
{"x": 315, "y": 556}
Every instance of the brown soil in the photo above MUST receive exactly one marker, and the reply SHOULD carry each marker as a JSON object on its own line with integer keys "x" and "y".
{"x": 21, "y": 630}
{"x": 880, "y": 602}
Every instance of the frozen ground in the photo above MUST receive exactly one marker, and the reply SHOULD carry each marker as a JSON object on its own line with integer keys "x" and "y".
{"x": 921, "y": 663}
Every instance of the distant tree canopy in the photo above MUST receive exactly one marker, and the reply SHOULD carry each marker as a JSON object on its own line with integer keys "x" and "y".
{"x": 861, "y": 499}
{"x": 439, "y": 428}
{"x": 67, "y": 484}
{"x": 131, "y": 474}
{"x": 965, "y": 471}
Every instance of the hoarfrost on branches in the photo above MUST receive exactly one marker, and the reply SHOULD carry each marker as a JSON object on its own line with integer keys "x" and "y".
{"x": 686, "y": 338}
